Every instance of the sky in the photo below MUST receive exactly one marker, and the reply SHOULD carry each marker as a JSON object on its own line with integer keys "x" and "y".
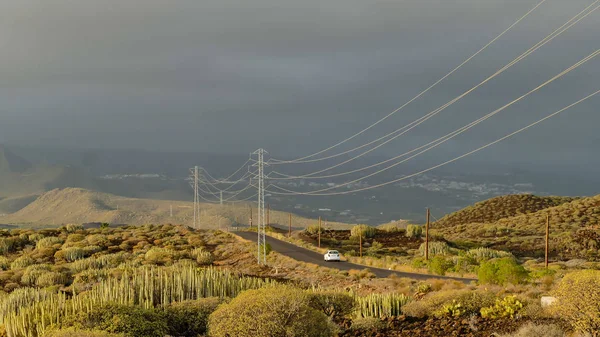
{"x": 293, "y": 77}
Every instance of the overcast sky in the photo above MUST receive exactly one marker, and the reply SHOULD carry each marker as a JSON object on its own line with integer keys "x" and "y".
{"x": 290, "y": 76}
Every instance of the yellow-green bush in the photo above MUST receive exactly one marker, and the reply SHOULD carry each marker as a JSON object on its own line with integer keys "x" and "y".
{"x": 72, "y": 254}
{"x": 48, "y": 242}
{"x": 203, "y": 257}
{"x": 435, "y": 248}
{"x": 160, "y": 256}
{"x": 80, "y": 333}
{"x": 22, "y": 262}
{"x": 284, "y": 311}
{"x": 367, "y": 324}
{"x": 364, "y": 230}
{"x": 502, "y": 271}
{"x": 32, "y": 273}
{"x": 314, "y": 229}
{"x": 414, "y": 231}
{"x": 578, "y": 296}
{"x": 507, "y": 307}
{"x": 4, "y": 263}
{"x": 51, "y": 278}
{"x": 481, "y": 254}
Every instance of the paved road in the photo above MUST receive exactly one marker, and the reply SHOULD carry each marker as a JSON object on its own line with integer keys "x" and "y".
{"x": 305, "y": 255}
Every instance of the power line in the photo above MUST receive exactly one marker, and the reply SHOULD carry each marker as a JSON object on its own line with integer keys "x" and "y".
{"x": 457, "y": 132}
{"x": 299, "y": 160}
{"x": 464, "y": 155}
{"x": 421, "y": 120}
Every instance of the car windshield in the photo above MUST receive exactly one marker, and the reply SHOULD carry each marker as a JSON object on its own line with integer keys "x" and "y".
{"x": 333, "y": 252}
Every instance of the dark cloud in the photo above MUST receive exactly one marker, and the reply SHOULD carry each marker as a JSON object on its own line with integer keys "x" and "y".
{"x": 288, "y": 76}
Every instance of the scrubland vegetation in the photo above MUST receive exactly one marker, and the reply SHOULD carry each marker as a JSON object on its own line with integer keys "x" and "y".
{"x": 174, "y": 281}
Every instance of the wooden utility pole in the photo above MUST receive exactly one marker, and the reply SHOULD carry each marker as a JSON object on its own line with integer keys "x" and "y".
{"x": 290, "y": 226}
{"x": 427, "y": 237}
{"x": 547, "y": 237}
{"x": 360, "y": 244}
{"x": 250, "y": 216}
{"x": 319, "y": 232}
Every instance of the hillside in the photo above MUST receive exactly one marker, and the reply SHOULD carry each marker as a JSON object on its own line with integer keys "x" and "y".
{"x": 75, "y": 205}
{"x": 573, "y": 230}
{"x": 494, "y": 209}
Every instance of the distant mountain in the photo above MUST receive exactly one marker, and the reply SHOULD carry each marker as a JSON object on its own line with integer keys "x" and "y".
{"x": 75, "y": 205}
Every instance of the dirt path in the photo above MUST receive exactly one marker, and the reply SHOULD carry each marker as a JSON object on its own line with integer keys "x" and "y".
{"x": 305, "y": 255}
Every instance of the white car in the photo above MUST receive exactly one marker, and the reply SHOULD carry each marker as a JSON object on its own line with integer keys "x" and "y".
{"x": 332, "y": 255}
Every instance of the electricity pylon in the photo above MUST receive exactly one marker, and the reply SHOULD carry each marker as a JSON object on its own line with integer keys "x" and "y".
{"x": 194, "y": 177}
{"x": 261, "y": 225}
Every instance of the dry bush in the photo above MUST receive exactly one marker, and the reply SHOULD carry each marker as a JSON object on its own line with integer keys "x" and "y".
{"x": 542, "y": 330}
{"x": 578, "y": 296}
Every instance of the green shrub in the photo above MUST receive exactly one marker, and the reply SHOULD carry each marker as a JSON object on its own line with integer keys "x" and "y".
{"x": 367, "y": 324}
{"x": 578, "y": 296}
{"x": 393, "y": 227}
{"x": 283, "y": 311}
{"x": 332, "y": 303}
{"x": 160, "y": 256}
{"x": 435, "y": 248}
{"x": 190, "y": 318}
{"x": 453, "y": 309}
{"x": 32, "y": 272}
{"x": 507, "y": 307}
{"x": 501, "y": 271}
{"x": 482, "y": 254}
{"x": 73, "y": 254}
{"x": 418, "y": 263}
{"x": 51, "y": 278}
{"x": 129, "y": 320}
{"x": 203, "y": 257}
{"x": 80, "y": 333}
{"x": 450, "y": 303}
{"x": 35, "y": 237}
{"x": 314, "y": 229}
{"x": 364, "y": 230}
{"x": 48, "y": 242}
{"x": 4, "y": 263}
{"x": 8, "y": 245}
{"x": 375, "y": 248}
{"x": 414, "y": 231}
{"x": 439, "y": 265}
{"x": 22, "y": 262}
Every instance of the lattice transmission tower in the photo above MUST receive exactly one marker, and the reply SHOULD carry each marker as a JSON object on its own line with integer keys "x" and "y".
{"x": 261, "y": 223}
{"x": 194, "y": 182}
